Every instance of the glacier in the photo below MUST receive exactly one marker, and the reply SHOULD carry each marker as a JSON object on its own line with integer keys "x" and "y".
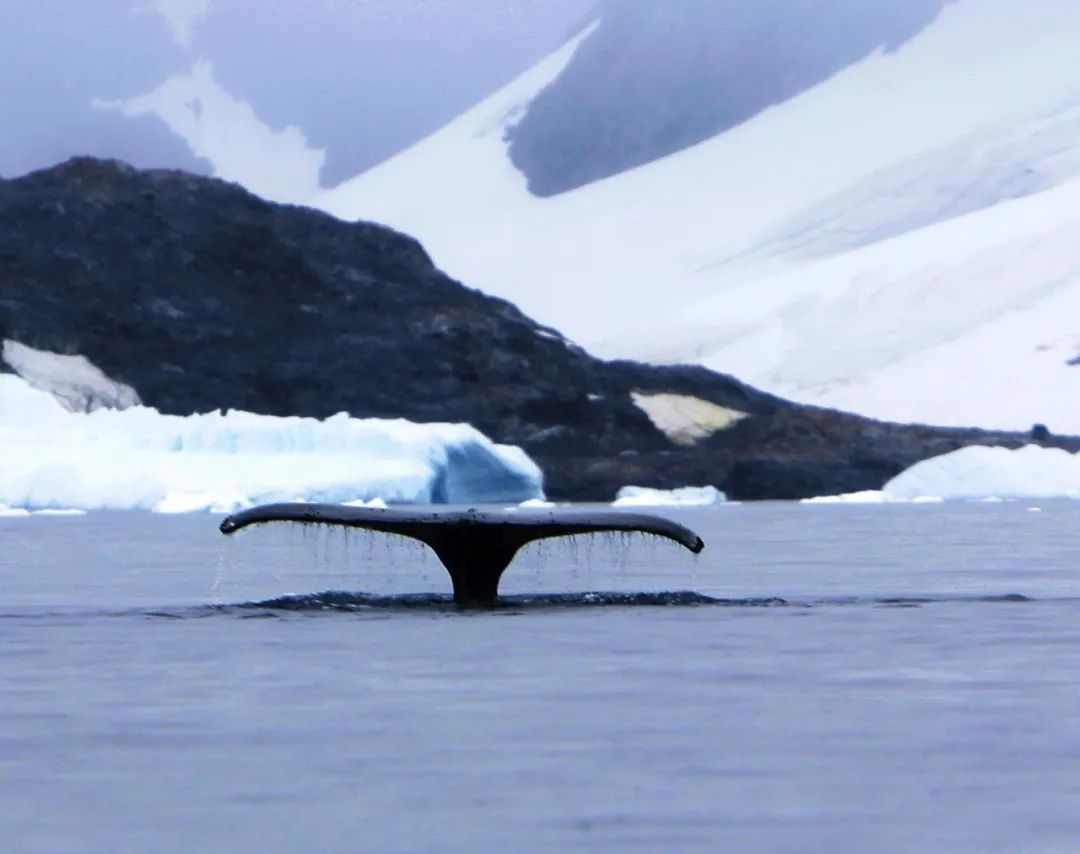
{"x": 138, "y": 458}
{"x": 904, "y": 225}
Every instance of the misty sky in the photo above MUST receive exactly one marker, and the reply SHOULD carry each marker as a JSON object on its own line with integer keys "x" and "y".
{"x": 362, "y": 78}
{"x": 656, "y": 77}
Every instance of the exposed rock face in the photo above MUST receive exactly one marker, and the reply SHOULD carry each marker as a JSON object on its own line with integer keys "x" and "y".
{"x": 657, "y": 77}
{"x": 200, "y": 296}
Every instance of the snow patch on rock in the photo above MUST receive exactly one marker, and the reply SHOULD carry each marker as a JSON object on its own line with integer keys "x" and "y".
{"x": 277, "y": 165}
{"x": 684, "y": 419}
{"x": 77, "y": 383}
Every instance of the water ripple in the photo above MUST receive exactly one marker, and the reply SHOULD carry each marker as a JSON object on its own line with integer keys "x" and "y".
{"x": 340, "y": 601}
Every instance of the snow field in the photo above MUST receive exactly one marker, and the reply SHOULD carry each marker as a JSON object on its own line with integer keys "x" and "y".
{"x": 898, "y": 241}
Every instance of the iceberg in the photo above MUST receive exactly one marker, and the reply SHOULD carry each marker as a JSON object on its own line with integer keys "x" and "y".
{"x": 138, "y": 458}
{"x": 980, "y": 472}
{"x": 687, "y": 496}
{"x": 976, "y": 473}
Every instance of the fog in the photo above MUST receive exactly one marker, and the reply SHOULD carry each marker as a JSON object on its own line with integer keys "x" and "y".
{"x": 288, "y": 96}
{"x": 361, "y": 78}
{"x": 657, "y": 77}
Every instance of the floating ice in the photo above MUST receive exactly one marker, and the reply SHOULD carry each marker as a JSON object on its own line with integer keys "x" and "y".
{"x": 22, "y": 513}
{"x": 376, "y": 503}
{"x": 868, "y": 496}
{"x": 977, "y": 473}
{"x": 139, "y": 458}
{"x": 687, "y": 496}
{"x": 981, "y": 472}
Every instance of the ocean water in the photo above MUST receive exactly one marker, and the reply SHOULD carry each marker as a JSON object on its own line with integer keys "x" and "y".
{"x": 821, "y": 678}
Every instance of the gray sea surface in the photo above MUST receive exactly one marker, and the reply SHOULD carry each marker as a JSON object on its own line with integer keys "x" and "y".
{"x": 821, "y": 678}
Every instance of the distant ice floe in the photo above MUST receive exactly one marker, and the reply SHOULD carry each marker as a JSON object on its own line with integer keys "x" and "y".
{"x": 51, "y": 458}
{"x": 871, "y": 496}
{"x": 373, "y": 504}
{"x": 977, "y": 473}
{"x": 868, "y": 496}
{"x": 687, "y": 496}
{"x": 22, "y": 513}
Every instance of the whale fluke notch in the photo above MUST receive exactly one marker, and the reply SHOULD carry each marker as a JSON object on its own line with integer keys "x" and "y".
{"x": 475, "y": 546}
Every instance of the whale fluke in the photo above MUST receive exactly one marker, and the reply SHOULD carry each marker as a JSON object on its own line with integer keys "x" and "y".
{"x": 475, "y": 546}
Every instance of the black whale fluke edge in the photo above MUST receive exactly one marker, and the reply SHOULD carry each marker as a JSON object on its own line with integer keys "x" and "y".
{"x": 475, "y": 546}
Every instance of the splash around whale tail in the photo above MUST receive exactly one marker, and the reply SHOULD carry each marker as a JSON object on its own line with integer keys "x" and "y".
{"x": 475, "y": 546}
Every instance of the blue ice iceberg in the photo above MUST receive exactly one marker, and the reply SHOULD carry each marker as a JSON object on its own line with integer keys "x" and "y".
{"x": 138, "y": 458}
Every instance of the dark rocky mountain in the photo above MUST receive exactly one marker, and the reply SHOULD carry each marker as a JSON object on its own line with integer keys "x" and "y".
{"x": 201, "y": 296}
{"x": 657, "y": 77}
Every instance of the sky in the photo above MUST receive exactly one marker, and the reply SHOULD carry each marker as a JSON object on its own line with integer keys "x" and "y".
{"x": 361, "y": 78}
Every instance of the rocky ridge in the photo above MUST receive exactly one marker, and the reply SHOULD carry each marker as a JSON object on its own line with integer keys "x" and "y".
{"x": 201, "y": 296}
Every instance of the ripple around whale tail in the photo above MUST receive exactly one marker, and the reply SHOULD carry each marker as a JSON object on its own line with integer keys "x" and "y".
{"x": 360, "y": 602}
{"x": 338, "y": 601}
{"x": 348, "y": 601}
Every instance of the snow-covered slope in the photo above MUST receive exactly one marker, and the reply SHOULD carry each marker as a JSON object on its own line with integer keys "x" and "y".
{"x": 900, "y": 239}
{"x": 138, "y": 458}
{"x": 655, "y": 78}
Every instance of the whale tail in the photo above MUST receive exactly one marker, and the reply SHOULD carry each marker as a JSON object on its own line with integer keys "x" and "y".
{"x": 475, "y": 546}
